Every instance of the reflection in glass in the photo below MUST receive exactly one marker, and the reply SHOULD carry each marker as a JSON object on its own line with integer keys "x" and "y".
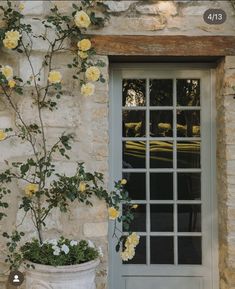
{"x": 162, "y": 250}
{"x": 189, "y": 186}
{"x": 133, "y": 123}
{"x": 139, "y": 222}
{"x": 190, "y": 250}
{"x": 134, "y": 154}
{"x": 140, "y": 253}
{"x": 188, "y": 92}
{"x": 161, "y": 154}
{"x": 161, "y": 217}
{"x": 136, "y": 185}
{"x": 188, "y": 123}
{"x": 161, "y": 123}
{"x": 188, "y": 154}
{"x": 161, "y": 186}
{"x": 133, "y": 92}
{"x": 161, "y": 92}
{"x": 189, "y": 218}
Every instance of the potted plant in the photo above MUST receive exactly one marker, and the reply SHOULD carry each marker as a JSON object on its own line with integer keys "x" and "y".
{"x": 54, "y": 263}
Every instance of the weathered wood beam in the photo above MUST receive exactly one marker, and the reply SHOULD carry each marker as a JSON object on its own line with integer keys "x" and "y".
{"x": 164, "y": 45}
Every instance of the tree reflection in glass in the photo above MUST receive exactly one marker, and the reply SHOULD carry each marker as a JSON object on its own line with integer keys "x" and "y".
{"x": 188, "y": 92}
{"x": 133, "y": 92}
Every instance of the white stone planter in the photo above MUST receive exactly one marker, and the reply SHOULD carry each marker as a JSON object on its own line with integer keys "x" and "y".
{"x": 80, "y": 276}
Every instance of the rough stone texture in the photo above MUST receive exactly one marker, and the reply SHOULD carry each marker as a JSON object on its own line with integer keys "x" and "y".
{"x": 87, "y": 118}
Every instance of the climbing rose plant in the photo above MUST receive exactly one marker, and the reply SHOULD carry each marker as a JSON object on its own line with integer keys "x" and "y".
{"x": 44, "y": 188}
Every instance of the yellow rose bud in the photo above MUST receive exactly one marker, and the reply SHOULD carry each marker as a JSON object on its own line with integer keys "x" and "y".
{"x": 82, "y": 186}
{"x": 88, "y": 89}
{"x": 123, "y": 182}
{"x": 113, "y": 213}
{"x": 3, "y": 135}
{"x": 11, "y": 83}
{"x": 21, "y": 7}
{"x": 31, "y": 189}
{"x": 54, "y": 77}
{"x": 82, "y": 54}
{"x": 81, "y": 19}
{"x": 92, "y": 73}
{"x": 7, "y": 71}
{"x": 84, "y": 44}
{"x": 134, "y": 206}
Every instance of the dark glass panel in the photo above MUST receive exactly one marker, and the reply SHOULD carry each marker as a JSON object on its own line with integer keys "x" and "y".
{"x": 188, "y": 154}
{"x": 189, "y": 186}
{"x": 188, "y": 92}
{"x": 136, "y": 185}
{"x": 133, "y": 92}
{"x": 162, "y": 250}
{"x": 161, "y": 92}
{"x": 161, "y": 186}
{"x": 161, "y": 123}
{"x": 139, "y": 222}
{"x": 161, "y": 154}
{"x": 133, "y": 123}
{"x": 140, "y": 253}
{"x": 161, "y": 217}
{"x": 188, "y": 123}
{"x": 134, "y": 154}
{"x": 190, "y": 250}
{"x": 189, "y": 218}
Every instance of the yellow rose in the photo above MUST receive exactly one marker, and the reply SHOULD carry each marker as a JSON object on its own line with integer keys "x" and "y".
{"x": 123, "y": 182}
{"x": 11, "y": 39}
{"x": 128, "y": 254}
{"x": 7, "y": 71}
{"x": 81, "y": 19}
{"x": 82, "y": 186}
{"x": 132, "y": 240}
{"x": 31, "y": 189}
{"x": 113, "y": 213}
{"x": 82, "y": 54}
{"x": 3, "y": 135}
{"x": 21, "y": 7}
{"x": 88, "y": 89}
{"x": 125, "y": 256}
{"x": 54, "y": 76}
{"x": 92, "y": 73}
{"x": 11, "y": 83}
{"x": 84, "y": 44}
{"x": 134, "y": 206}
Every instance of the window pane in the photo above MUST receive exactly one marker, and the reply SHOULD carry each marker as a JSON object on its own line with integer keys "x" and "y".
{"x": 133, "y": 123}
{"x": 189, "y": 250}
{"x": 161, "y": 92}
{"x": 134, "y": 154}
{"x": 136, "y": 185}
{"x": 133, "y": 92}
{"x": 139, "y": 222}
{"x": 188, "y": 123}
{"x": 161, "y": 123}
{"x": 161, "y": 154}
{"x": 189, "y": 218}
{"x": 161, "y": 218}
{"x": 140, "y": 253}
{"x": 189, "y": 186}
{"x": 188, "y": 154}
{"x": 161, "y": 186}
{"x": 162, "y": 250}
{"x": 188, "y": 92}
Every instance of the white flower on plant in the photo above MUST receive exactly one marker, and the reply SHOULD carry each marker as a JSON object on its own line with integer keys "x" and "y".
{"x": 65, "y": 249}
{"x": 100, "y": 252}
{"x": 53, "y": 242}
{"x": 73, "y": 243}
{"x": 90, "y": 244}
{"x": 56, "y": 250}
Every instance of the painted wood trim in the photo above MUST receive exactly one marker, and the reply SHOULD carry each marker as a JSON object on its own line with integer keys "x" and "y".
{"x": 141, "y": 45}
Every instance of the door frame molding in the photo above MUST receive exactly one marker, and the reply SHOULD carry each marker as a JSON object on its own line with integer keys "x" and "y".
{"x": 213, "y": 198}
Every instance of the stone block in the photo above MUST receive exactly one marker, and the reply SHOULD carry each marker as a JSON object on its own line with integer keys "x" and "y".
{"x": 95, "y": 229}
{"x": 33, "y": 8}
{"x": 118, "y": 6}
{"x": 161, "y": 7}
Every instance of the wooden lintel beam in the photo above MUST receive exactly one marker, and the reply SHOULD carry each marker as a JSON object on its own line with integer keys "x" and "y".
{"x": 140, "y": 45}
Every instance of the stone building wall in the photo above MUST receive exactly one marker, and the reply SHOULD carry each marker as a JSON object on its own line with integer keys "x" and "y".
{"x": 88, "y": 119}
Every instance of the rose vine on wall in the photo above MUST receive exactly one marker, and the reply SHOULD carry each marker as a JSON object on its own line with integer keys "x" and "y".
{"x": 44, "y": 188}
